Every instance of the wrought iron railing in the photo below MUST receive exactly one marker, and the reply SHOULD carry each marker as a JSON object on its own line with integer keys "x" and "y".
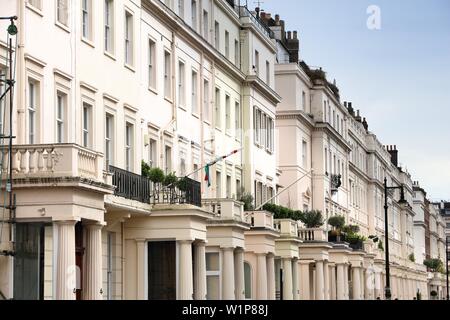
{"x": 135, "y": 187}
{"x": 261, "y": 26}
{"x": 130, "y": 185}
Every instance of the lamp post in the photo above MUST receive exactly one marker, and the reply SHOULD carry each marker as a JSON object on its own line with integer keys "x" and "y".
{"x": 387, "y": 289}
{"x": 447, "y": 243}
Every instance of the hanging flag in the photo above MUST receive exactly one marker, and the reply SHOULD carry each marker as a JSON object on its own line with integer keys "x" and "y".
{"x": 207, "y": 177}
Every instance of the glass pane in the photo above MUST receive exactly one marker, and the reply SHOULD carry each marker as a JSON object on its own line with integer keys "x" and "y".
{"x": 213, "y": 287}
{"x": 27, "y": 262}
{"x": 248, "y": 281}
{"x": 212, "y": 262}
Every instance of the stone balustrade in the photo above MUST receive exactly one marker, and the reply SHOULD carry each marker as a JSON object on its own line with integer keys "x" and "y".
{"x": 228, "y": 209}
{"x": 312, "y": 234}
{"x": 286, "y": 227}
{"x": 260, "y": 219}
{"x": 54, "y": 161}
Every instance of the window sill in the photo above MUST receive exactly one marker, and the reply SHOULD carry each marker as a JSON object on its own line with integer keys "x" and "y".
{"x": 168, "y": 99}
{"x": 207, "y": 122}
{"x": 110, "y": 55}
{"x": 34, "y": 9}
{"x": 218, "y": 129}
{"x": 228, "y": 134}
{"x": 153, "y": 90}
{"x": 182, "y": 108}
{"x": 195, "y": 115}
{"x": 62, "y": 26}
{"x": 88, "y": 42}
{"x": 129, "y": 67}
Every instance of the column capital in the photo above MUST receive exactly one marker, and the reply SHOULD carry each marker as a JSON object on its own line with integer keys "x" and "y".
{"x": 227, "y": 248}
{"x": 66, "y": 222}
{"x": 185, "y": 241}
{"x": 94, "y": 225}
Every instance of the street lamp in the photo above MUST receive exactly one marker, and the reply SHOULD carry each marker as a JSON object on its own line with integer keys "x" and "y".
{"x": 387, "y": 290}
{"x": 447, "y": 244}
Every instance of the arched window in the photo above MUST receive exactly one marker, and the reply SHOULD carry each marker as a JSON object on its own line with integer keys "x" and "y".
{"x": 248, "y": 280}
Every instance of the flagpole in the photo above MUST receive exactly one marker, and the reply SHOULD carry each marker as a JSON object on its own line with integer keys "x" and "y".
{"x": 284, "y": 189}
{"x": 209, "y": 164}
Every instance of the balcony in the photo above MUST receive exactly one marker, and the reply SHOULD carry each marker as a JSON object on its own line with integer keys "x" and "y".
{"x": 135, "y": 187}
{"x": 52, "y": 161}
{"x": 312, "y": 234}
{"x": 260, "y": 219}
{"x": 226, "y": 209}
{"x": 286, "y": 227}
{"x": 245, "y": 13}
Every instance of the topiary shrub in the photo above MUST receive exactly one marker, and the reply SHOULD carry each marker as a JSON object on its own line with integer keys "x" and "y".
{"x": 411, "y": 257}
{"x": 145, "y": 169}
{"x": 170, "y": 180}
{"x": 156, "y": 175}
{"x": 337, "y": 222}
{"x": 312, "y": 219}
{"x": 247, "y": 199}
{"x": 350, "y": 228}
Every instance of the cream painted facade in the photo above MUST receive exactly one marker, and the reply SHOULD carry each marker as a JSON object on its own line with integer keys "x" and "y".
{"x": 104, "y": 85}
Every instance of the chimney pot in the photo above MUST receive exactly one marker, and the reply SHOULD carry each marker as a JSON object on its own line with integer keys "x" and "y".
{"x": 295, "y": 34}
{"x": 277, "y": 17}
{"x": 289, "y": 35}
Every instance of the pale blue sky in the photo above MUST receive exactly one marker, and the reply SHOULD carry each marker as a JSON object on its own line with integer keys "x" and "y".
{"x": 397, "y": 76}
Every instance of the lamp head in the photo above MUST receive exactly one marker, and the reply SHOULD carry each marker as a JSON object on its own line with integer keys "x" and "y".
{"x": 12, "y": 28}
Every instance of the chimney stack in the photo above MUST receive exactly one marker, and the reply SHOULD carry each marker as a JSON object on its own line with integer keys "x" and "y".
{"x": 394, "y": 155}
{"x": 350, "y": 108}
{"x": 358, "y": 116}
{"x": 293, "y": 45}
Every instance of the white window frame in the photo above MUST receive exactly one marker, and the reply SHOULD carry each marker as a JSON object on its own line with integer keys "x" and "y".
{"x": 109, "y": 140}
{"x": 33, "y": 103}
{"x": 181, "y": 84}
{"x": 218, "y": 108}
{"x": 87, "y": 134}
{"x": 152, "y": 64}
{"x": 129, "y": 146}
{"x": 194, "y": 92}
{"x": 86, "y": 20}
{"x": 62, "y": 12}
{"x": 167, "y": 75}
{"x": 60, "y": 115}
{"x": 109, "y": 26}
{"x": 129, "y": 38}
{"x": 228, "y": 114}
{"x": 216, "y": 273}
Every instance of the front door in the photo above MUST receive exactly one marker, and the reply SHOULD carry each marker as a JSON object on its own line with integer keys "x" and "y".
{"x": 79, "y": 255}
{"x": 162, "y": 270}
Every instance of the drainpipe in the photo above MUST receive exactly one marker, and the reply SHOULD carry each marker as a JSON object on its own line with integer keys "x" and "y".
{"x": 20, "y": 65}
{"x": 202, "y": 106}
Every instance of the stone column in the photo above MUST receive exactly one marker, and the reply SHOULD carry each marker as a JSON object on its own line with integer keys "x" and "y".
{"x": 228, "y": 274}
{"x": 362, "y": 283}
{"x": 340, "y": 282}
{"x": 261, "y": 276}
{"x": 326, "y": 280}
{"x": 140, "y": 266}
{"x": 333, "y": 282}
{"x": 346, "y": 288}
{"x": 394, "y": 290}
{"x": 200, "y": 271}
{"x": 319, "y": 281}
{"x": 270, "y": 260}
{"x": 304, "y": 280}
{"x": 378, "y": 285}
{"x": 239, "y": 273}
{"x": 287, "y": 279}
{"x": 368, "y": 284}
{"x": 356, "y": 271}
{"x": 66, "y": 270}
{"x": 295, "y": 279}
{"x": 93, "y": 276}
{"x": 185, "y": 270}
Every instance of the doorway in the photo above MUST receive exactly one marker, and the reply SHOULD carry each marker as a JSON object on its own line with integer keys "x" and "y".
{"x": 79, "y": 258}
{"x": 162, "y": 270}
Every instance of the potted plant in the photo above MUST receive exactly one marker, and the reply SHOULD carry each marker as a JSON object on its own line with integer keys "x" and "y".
{"x": 380, "y": 245}
{"x": 170, "y": 181}
{"x": 247, "y": 199}
{"x": 182, "y": 184}
{"x": 145, "y": 169}
{"x": 337, "y": 222}
{"x": 156, "y": 175}
{"x": 311, "y": 219}
{"x": 411, "y": 257}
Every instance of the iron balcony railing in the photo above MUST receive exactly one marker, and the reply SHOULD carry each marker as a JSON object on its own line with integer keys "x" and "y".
{"x": 131, "y": 186}
{"x": 261, "y": 26}
{"x": 135, "y": 187}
